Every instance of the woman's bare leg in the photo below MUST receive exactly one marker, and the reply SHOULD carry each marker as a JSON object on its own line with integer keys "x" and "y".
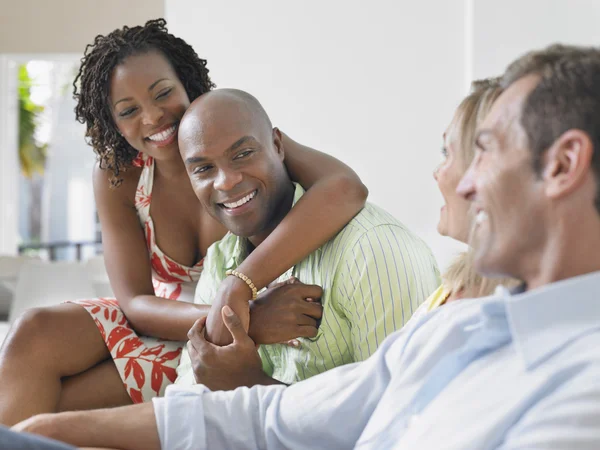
{"x": 96, "y": 388}
{"x": 44, "y": 346}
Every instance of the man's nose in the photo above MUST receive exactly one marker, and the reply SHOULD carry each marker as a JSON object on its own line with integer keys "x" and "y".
{"x": 227, "y": 179}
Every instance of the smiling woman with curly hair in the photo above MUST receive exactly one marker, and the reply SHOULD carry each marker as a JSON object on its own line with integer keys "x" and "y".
{"x": 134, "y": 86}
{"x": 97, "y": 64}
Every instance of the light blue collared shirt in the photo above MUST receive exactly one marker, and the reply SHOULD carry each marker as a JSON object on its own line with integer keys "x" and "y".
{"x": 510, "y": 371}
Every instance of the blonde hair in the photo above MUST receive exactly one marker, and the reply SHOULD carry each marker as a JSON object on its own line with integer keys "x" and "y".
{"x": 461, "y": 278}
{"x": 469, "y": 114}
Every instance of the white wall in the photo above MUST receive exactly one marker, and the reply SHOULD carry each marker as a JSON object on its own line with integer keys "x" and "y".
{"x": 502, "y": 31}
{"x": 372, "y": 83}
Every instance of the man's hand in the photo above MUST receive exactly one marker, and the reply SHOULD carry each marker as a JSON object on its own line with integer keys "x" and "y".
{"x": 226, "y": 368}
{"x": 285, "y": 311}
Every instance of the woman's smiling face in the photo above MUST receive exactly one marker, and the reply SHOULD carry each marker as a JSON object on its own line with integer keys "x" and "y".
{"x": 147, "y": 101}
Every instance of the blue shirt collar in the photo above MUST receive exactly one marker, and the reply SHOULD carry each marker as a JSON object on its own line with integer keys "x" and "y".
{"x": 544, "y": 320}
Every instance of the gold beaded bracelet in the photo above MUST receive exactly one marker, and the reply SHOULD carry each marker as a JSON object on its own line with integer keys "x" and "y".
{"x": 246, "y": 280}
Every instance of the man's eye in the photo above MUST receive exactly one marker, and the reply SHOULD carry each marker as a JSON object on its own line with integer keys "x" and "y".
{"x": 243, "y": 154}
{"x": 201, "y": 169}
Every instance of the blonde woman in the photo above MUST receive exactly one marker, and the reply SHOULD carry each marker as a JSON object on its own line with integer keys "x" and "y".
{"x": 461, "y": 280}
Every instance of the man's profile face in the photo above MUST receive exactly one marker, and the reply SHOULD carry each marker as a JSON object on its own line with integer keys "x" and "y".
{"x": 507, "y": 196}
{"x": 235, "y": 164}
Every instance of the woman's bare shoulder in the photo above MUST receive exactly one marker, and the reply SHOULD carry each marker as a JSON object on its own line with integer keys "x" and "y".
{"x": 125, "y": 191}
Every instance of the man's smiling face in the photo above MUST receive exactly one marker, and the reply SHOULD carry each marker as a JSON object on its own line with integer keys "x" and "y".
{"x": 234, "y": 159}
{"x": 507, "y": 195}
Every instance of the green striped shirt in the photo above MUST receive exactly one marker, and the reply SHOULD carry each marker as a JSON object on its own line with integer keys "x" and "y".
{"x": 374, "y": 274}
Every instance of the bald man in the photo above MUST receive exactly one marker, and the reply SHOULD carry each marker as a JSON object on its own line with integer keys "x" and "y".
{"x": 374, "y": 273}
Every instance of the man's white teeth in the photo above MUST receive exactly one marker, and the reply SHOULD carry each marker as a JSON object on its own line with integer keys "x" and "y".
{"x": 163, "y": 135}
{"x": 481, "y": 217}
{"x": 241, "y": 201}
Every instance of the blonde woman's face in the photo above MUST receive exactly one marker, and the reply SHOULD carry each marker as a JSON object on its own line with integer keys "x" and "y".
{"x": 455, "y": 219}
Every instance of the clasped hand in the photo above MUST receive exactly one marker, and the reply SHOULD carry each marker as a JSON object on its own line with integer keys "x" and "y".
{"x": 283, "y": 312}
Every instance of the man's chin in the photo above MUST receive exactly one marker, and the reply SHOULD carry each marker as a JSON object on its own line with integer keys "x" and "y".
{"x": 241, "y": 230}
{"x": 246, "y": 226}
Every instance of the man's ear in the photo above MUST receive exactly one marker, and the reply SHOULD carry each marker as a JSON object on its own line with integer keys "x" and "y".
{"x": 278, "y": 143}
{"x": 568, "y": 162}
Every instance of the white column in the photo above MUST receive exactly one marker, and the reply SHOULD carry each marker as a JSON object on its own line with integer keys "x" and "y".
{"x": 9, "y": 161}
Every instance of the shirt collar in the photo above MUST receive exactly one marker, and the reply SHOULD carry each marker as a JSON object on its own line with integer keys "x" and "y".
{"x": 240, "y": 248}
{"x": 544, "y": 320}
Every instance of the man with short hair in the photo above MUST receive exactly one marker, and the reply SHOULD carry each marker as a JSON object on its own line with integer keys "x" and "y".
{"x": 373, "y": 273}
{"x": 517, "y": 370}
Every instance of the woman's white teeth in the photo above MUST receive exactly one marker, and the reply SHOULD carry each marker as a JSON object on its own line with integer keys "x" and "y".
{"x": 163, "y": 135}
{"x": 481, "y": 217}
{"x": 240, "y": 202}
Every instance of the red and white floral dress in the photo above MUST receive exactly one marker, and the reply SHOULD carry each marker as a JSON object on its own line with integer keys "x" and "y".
{"x": 147, "y": 365}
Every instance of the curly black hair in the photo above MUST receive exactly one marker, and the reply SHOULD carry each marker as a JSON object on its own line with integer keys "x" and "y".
{"x": 99, "y": 61}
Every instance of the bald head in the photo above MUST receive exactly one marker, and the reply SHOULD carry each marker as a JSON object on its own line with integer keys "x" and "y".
{"x": 220, "y": 110}
{"x": 234, "y": 159}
